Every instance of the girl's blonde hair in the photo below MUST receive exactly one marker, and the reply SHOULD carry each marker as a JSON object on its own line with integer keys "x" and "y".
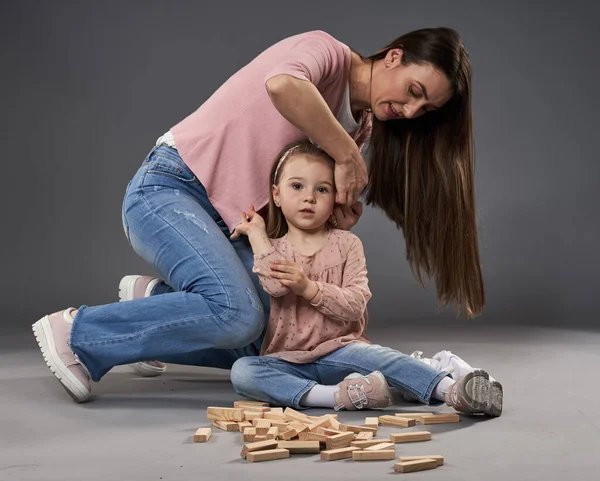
{"x": 276, "y": 224}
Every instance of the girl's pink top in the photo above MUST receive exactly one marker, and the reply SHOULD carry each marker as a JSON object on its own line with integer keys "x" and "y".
{"x": 300, "y": 331}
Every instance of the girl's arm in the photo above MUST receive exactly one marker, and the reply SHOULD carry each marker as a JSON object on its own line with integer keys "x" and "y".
{"x": 348, "y": 302}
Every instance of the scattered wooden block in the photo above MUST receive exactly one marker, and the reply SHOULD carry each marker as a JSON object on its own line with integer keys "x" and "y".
{"x": 261, "y": 437}
{"x": 329, "y": 431}
{"x": 214, "y": 413}
{"x": 357, "y": 429}
{"x": 258, "y": 446}
{"x": 262, "y": 426}
{"x": 397, "y": 421}
{"x": 382, "y": 454}
{"x": 249, "y": 434}
{"x": 414, "y": 416}
{"x": 335, "y": 424}
{"x": 264, "y": 421}
{"x": 322, "y": 422}
{"x": 372, "y": 422}
{"x": 366, "y": 444}
{"x": 289, "y": 434}
{"x": 417, "y": 465}
{"x": 380, "y": 446}
{"x": 274, "y": 417}
{"x": 202, "y": 435}
{"x": 267, "y": 455}
{"x": 439, "y": 419}
{"x": 339, "y": 440}
{"x": 249, "y": 403}
{"x": 316, "y": 437}
{"x": 226, "y": 425}
{"x": 277, "y": 411}
{"x": 300, "y": 447}
{"x": 340, "y": 453}
{"x": 410, "y": 437}
{"x": 252, "y": 415}
{"x": 293, "y": 415}
{"x": 364, "y": 436}
{"x": 298, "y": 426}
{"x": 272, "y": 433}
{"x": 243, "y": 425}
{"x": 438, "y": 457}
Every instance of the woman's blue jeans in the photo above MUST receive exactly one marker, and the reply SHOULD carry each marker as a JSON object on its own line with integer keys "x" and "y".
{"x": 283, "y": 383}
{"x": 209, "y": 312}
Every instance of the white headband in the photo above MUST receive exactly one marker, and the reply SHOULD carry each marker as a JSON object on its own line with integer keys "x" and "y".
{"x": 282, "y": 160}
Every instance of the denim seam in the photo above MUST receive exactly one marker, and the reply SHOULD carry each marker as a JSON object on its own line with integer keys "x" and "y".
{"x": 188, "y": 242}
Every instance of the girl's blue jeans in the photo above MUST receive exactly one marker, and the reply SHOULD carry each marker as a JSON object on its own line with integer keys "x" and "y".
{"x": 283, "y": 383}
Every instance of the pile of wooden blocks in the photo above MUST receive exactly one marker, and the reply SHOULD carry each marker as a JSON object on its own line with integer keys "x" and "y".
{"x": 275, "y": 433}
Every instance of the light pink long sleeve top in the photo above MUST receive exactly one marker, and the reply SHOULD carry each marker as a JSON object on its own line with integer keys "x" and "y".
{"x": 300, "y": 331}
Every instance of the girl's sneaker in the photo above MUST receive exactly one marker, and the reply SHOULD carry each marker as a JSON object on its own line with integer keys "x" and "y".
{"x": 138, "y": 287}
{"x": 471, "y": 393}
{"x": 363, "y": 392}
{"x": 52, "y": 334}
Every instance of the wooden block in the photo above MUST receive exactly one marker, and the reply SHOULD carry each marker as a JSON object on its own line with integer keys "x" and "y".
{"x": 287, "y": 435}
{"x": 261, "y": 437}
{"x": 438, "y": 457}
{"x": 380, "y": 455}
{"x": 357, "y": 429}
{"x": 397, "y": 421}
{"x": 252, "y": 415}
{"x": 293, "y": 415}
{"x": 202, "y": 435}
{"x": 258, "y": 446}
{"x": 243, "y": 425}
{"x": 262, "y": 420}
{"x": 372, "y": 422}
{"x": 329, "y": 431}
{"x": 297, "y": 447}
{"x": 224, "y": 414}
{"x": 277, "y": 411}
{"x": 440, "y": 419}
{"x": 298, "y": 426}
{"x": 272, "y": 433}
{"x": 249, "y": 403}
{"x": 339, "y": 441}
{"x": 274, "y": 417}
{"x": 226, "y": 425}
{"x": 414, "y": 416}
{"x": 268, "y": 455}
{"x": 322, "y": 422}
{"x": 410, "y": 437}
{"x": 262, "y": 427}
{"x": 249, "y": 434}
{"x": 418, "y": 465}
{"x": 316, "y": 437}
{"x": 364, "y": 436}
{"x": 335, "y": 454}
{"x": 335, "y": 424}
{"x": 366, "y": 444}
{"x": 380, "y": 446}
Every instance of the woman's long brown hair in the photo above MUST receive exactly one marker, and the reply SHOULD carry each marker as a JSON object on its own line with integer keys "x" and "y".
{"x": 432, "y": 160}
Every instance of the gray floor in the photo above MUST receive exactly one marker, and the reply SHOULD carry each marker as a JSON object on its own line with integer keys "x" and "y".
{"x": 140, "y": 429}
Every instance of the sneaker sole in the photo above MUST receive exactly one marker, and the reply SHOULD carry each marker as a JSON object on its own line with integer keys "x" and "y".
{"x": 43, "y": 335}
{"x": 477, "y": 390}
{"x": 143, "y": 369}
{"x": 493, "y": 407}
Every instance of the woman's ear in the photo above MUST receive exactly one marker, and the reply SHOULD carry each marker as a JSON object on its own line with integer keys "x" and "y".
{"x": 275, "y": 191}
{"x": 393, "y": 57}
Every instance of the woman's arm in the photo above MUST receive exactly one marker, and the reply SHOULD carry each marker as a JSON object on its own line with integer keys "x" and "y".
{"x": 301, "y": 103}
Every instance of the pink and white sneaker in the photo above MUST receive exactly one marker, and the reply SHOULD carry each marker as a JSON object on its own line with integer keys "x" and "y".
{"x": 138, "y": 287}
{"x": 459, "y": 368}
{"x": 363, "y": 392}
{"x": 52, "y": 334}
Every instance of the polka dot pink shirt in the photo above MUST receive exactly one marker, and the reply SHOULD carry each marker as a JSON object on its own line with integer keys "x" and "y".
{"x": 300, "y": 331}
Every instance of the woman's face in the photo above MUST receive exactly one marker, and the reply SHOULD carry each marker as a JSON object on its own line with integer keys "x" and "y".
{"x": 407, "y": 91}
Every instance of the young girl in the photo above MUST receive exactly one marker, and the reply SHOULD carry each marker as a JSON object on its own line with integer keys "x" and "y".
{"x": 314, "y": 353}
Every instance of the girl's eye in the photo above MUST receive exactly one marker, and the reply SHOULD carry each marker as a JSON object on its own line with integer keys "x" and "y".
{"x": 322, "y": 190}
{"x": 296, "y": 186}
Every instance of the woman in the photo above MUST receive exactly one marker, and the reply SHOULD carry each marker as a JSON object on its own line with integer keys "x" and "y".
{"x": 183, "y": 203}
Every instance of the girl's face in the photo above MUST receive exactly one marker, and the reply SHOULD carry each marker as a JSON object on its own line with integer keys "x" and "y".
{"x": 407, "y": 91}
{"x": 306, "y": 192}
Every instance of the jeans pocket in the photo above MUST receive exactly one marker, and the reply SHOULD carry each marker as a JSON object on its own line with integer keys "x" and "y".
{"x": 165, "y": 161}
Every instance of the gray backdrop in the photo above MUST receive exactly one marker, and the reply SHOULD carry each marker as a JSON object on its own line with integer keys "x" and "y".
{"x": 87, "y": 87}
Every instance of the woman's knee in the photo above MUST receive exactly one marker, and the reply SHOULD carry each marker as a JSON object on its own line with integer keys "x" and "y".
{"x": 241, "y": 326}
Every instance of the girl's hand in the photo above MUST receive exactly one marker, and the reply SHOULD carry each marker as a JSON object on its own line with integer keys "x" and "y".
{"x": 292, "y": 275}
{"x": 345, "y": 217}
{"x": 249, "y": 220}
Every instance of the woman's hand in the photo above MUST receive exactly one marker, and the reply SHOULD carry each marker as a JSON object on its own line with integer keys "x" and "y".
{"x": 350, "y": 178}
{"x": 249, "y": 220}
{"x": 345, "y": 217}
{"x": 292, "y": 275}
